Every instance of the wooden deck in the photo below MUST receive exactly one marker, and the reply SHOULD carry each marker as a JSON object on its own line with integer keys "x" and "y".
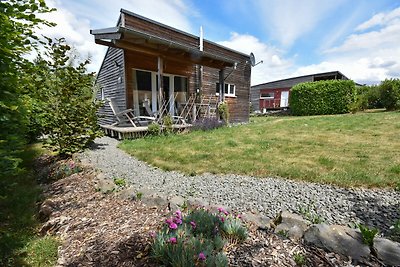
{"x": 135, "y": 132}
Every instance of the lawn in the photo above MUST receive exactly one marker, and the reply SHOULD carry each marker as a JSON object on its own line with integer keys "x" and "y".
{"x": 360, "y": 149}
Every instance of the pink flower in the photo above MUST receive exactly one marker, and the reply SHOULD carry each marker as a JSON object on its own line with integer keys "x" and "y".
{"x": 168, "y": 221}
{"x": 173, "y": 226}
{"x": 223, "y": 211}
{"x": 152, "y": 234}
{"x": 220, "y": 209}
{"x": 177, "y": 221}
{"x": 222, "y": 219}
{"x": 178, "y": 214}
{"x": 239, "y": 216}
{"x": 202, "y": 257}
{"x": 172, "y": 240}
{"x": 193, "y": 224}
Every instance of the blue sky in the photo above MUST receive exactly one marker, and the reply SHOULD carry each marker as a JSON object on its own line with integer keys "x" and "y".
{"x": 360, "y": 38}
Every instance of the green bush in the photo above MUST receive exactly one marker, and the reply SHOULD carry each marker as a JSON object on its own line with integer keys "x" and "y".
{"x": 390, "y": 94}
{"x": 223, "y": 110}
{"x": 154, "y": 129}
{"x": 322, "y": 97}
{"x": 62, "y": 100}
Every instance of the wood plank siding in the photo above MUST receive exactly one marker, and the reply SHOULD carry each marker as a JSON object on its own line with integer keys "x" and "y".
{"x": 111, "y": 81}
{"x": 276, "y": 87}
{"x": 145, "y": 43}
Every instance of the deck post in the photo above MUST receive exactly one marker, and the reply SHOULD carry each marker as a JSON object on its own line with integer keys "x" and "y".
{"x": 160, "y": 67}
{"x": 221, "y": 85}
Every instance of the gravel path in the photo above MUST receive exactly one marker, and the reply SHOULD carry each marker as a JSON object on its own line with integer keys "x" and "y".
{"x": 379, "y": 208}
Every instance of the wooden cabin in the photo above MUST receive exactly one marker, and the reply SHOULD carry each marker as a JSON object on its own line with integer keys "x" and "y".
{"x": 275, "y": 95}
{"x": 149, "y": 63}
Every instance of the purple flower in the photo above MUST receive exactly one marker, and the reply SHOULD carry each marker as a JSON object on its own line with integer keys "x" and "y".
{"x": 168, "y": 221}
{"x": 193, "y": 224}
{"x": 178, "y": 214}
{"x": 177, "y": 221}
{"x": 172, "y": 240}
{"x": 220, "y": 209}
{"x": 152, "y": 234}
{"x": 173, "y": 226}
{"x": 72, "y": 165}
{"x": 202, "y": 257}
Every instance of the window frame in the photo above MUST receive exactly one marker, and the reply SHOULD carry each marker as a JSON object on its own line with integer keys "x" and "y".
{"x": 267, "y": 97}
{"x": 228, "y": 87}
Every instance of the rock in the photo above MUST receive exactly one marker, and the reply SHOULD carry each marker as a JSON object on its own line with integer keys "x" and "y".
{"x": 293, "y": 225}
{"x": 261, "y": 221}
{"x": 176, "y": 203}
{"x": 338, "y": 239}
{"x": 387, "y": 251}
{"x": 54, "y": 224}
{"x": 103, "y": 184}
{"x": 193, "y": 202}
{"x": 154, "y": 200}
{"x": 46, "y": 209}
{"x": 127, "y": 193}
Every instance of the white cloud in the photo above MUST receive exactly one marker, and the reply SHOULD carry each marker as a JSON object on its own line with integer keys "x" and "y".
{"x": 274, "y": 66}
{"x": 287, "y": 20}
{"x": 369, "y": 56}
{"x": 75, "y": 19}
{"x": 379, "y": 20}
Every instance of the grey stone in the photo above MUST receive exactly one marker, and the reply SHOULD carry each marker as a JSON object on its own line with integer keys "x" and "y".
{"x": 338, "y": 239}
{"x": 103, "y": 184}
{"x": 387, "y": 251}
{"x": 293, "y": 225}
{"x": 46, "y": 209}
{"x": 261, "y": 221}
{"x": 194, "y": 202}
{"x": 176, "y": 202}
{"x": 155, "y": 200}
{"x": 127, "y": 193}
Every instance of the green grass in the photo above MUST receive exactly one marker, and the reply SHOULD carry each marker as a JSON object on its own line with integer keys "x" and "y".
{"x": 348, "y": 150}
{"x": 19, "y": 194}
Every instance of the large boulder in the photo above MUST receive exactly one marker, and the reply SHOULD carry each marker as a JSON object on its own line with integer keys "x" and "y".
{"x": 259, "y": 220}
{"x": 338, "y": 239}
{"x": 387, "y": 251}
{"x": 292, "y": 225}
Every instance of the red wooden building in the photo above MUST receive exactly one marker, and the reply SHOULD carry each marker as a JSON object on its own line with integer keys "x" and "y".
{"x": 275, "y": 95}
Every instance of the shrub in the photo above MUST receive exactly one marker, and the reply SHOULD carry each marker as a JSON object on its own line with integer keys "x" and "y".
{"x": 322, "y": 97}
{"x": 390, "y": 94}
{"x": 223, "y": 110}
{"x": 167, "y": 123}
{"x": 154, "y": 129}
{"x": 67, "y": 111}
{"x": 368, "y": 234}
{"x": 197, "y": 239}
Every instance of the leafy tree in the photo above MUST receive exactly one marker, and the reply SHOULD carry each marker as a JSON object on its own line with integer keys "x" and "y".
{"x": 18, "y": 20}
{"x": 62, "y": 103}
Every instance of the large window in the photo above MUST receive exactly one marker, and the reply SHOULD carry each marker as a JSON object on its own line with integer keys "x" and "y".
{"x": 146, "y": 95}
{"x": 229, "y": 89}
{"x": 267, "y": 95}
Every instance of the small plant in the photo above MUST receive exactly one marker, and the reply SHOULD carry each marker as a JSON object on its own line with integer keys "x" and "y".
{"x": 197, "y": 239}
{"x": 223, "y": 110}
{"x": 299, "y": 259}
{"x": 154, "y": 129}
{"x": 310, "y": 213}
{"x": 283, "y": 233}
{"x": 119, "y": 182}
{"x": 139, "y": 195}
{"x": 368, "y": 234}
{"x": 167, "y": 123}
{"x": 66, "y": 169}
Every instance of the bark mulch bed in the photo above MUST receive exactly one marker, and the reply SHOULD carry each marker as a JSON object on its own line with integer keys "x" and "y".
{"x": 98, "y": 229}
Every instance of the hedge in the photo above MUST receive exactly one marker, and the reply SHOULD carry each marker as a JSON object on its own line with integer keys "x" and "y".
{"x": 322, "y": 97}
{"x": 390, "y": 94}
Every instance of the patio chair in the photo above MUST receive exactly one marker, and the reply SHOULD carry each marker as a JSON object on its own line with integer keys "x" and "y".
{"x": 158, "y": 116}
{"x": 126, "y": 118}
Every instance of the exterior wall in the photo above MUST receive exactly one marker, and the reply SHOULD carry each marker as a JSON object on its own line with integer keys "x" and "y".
{"x": 258, "y": 104}
{"x": 111, "y": 80}
{"x": 272, "y": 103}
